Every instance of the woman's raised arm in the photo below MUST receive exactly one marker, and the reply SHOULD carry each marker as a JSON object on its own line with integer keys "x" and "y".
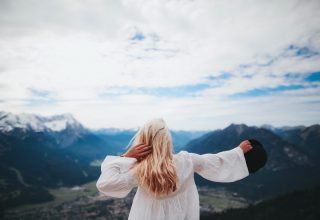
{"x": 225, "y": 166}
{"x": 116, "y": 179}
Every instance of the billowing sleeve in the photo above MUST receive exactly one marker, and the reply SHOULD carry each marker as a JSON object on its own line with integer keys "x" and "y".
{"x": 116, "y": 178}
{"x": 225, "y": 166}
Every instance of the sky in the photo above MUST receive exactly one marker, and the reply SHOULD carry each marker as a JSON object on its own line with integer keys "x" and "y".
{"x": 198, "y": 64}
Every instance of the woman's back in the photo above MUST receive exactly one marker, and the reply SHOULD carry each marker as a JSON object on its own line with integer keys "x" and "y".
{"x": 183, "y": 203}
{"x": 117, "y": 180}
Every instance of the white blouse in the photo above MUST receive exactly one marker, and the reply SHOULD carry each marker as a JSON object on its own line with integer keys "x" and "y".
{"x": 116, "y": 180}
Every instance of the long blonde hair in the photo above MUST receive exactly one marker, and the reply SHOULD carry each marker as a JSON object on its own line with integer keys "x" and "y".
{"x": 156, "y": 172}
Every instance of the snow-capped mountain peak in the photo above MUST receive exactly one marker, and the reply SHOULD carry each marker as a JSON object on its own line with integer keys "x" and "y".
{"x": 27, "y": 121}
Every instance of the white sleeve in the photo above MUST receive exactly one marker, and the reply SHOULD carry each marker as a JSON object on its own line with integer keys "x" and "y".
{"x": 225, "y": 166}
{"x": 116, "y": 179}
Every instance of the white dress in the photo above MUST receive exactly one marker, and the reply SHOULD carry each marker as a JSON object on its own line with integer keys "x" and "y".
{"x": 116, "y": 180}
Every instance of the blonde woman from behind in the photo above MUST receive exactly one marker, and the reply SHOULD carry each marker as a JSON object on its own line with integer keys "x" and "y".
{"x": 165, "y": 181}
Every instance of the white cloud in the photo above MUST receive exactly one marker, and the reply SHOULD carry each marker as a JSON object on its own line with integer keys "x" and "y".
{"x": 77, "y": 50}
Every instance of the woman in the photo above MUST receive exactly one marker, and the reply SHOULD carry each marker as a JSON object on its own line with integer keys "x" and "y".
{"x": 165, "y": 181}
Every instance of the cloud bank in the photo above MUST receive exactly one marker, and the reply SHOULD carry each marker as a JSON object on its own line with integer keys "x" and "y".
{"x": 198, "y": 64}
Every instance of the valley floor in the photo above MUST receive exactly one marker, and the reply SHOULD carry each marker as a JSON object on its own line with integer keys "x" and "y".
{"x": 85, "y": 202}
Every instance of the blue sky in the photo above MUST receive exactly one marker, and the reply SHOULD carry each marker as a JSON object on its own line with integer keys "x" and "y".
{"x": 197, "y": 64}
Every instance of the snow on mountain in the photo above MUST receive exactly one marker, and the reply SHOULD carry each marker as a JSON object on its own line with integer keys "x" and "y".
{"x": 55, "y": 123}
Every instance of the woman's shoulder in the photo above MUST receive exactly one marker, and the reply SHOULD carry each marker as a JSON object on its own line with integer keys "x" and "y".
{"x": 184, "y": 165}
{"x": 182, "y": 155}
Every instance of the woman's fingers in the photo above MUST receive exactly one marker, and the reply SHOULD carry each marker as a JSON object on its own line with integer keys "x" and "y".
{"x": 145, "y": 153}
{"x": 140, "y": 146}
{"x": 248, "y": 145}
{"x": 146, "y": 148}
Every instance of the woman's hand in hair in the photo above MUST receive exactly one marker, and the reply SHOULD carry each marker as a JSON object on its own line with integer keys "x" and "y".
{"x": 245, "y": 146}
{"x": 139, "y": 151}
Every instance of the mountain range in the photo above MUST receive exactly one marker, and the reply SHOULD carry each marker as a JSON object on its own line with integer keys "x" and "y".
{"x": 38, "y": 153}
{"x": 291, "y": 164}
